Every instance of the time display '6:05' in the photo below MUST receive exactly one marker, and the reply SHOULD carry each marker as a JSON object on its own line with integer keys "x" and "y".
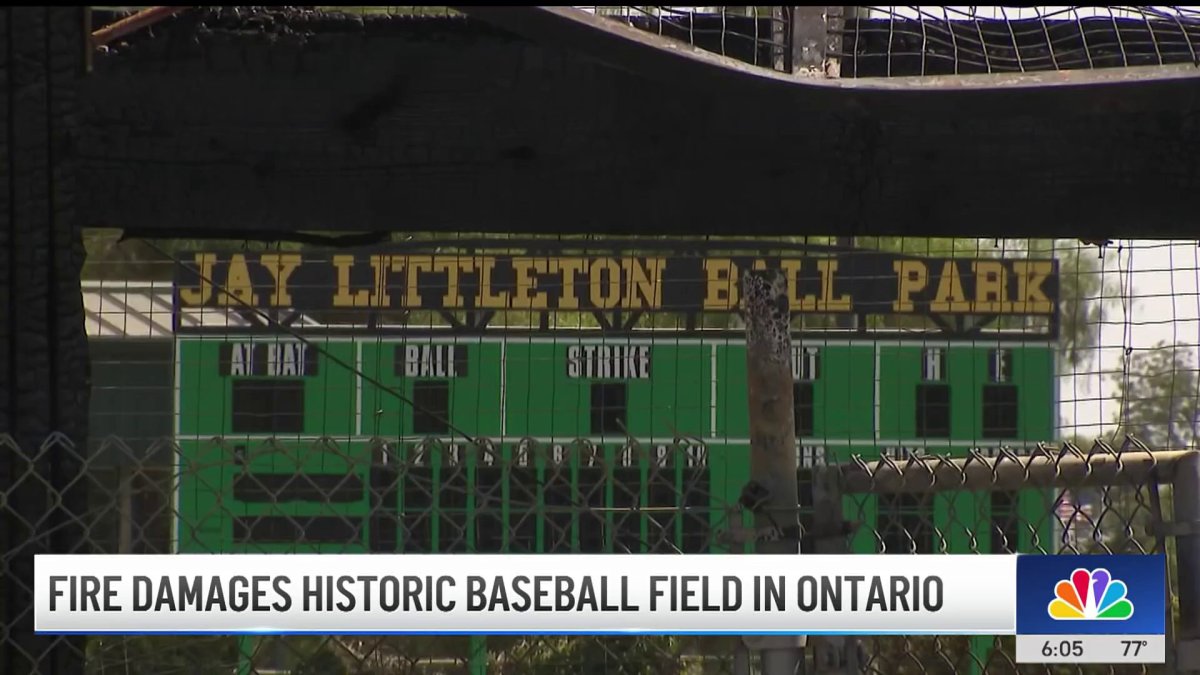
{"x": 1053, "y": 648}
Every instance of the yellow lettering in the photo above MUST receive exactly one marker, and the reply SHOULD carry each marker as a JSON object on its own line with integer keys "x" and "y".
{"x": 991, "y": 287}
{"x": 568, "y": 268}
{"x": 380, "y": 265}
{"x": 1031, "y": 274}
{"x": 796, "y": 302}
{"x": 524, "y": 296}
{"x": 950, "y": 297}
{"x": 828, "y": 267}
{"x": 612, "y": 295}
{"x": 200, "y": 296}
{"x": 645, "y": 282}
{"x": 414, "y": 265}
{"x": 722, "y": 290}
{"x": 344, "y": 297}
{"x": 238, "y": 287}
{"x": 486, "y": 297}
{"x": 454, "y": 268}
{"x": 912, "y": 277}
{"x": 281, "y": 267}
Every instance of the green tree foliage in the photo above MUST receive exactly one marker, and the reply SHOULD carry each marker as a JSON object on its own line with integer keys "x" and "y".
{"x": 158, "y": 655}
{"x": 1159, "y": 393}
{"x": 635, "y": 655}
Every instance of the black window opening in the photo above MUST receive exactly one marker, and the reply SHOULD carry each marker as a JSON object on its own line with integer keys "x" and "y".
{"x": 1000, "y": 405}
{"x": 523, "y": 512}
{"x": 1006, "y": 524}
{"x": 905, "y": 524}
{"x": 452, "y": 510}
{"x": 151, "y": 510}
{"x": 268, "y": 406}
{"x": 297, "y": 530}
{"x": 608, "y": 407}
{"x": 417, "y": 534}
{"x": 591, "y": 481}
{"x": 663, "y": 499}
{"x": 489, "y": 525}
{"x": 802, "y": 401}
{"x": 384, "y": 535}
{"x": 627, "y": 517}
{"x": 431, "y": 407}
{"x": 933, "y": 410}
{"x": 559, "y": 501}
{"x": 697, "y": 531}
{"x": 417, "y": 499}
{"x": 276, "y": 488}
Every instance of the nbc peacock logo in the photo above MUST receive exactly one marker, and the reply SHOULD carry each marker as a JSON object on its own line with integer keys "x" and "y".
{"x": 1090, "y": 596}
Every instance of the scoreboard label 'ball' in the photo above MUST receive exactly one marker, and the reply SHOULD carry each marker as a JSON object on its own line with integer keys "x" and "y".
{"x": 431, "y": 360}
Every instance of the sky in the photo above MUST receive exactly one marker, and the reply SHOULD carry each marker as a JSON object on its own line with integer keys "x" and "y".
{"x": 1159, "y": 301}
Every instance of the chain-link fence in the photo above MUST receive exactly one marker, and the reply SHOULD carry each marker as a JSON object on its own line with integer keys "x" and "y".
{"x": 275, "y": 495}
{"x": 224, "y": 419}
{"x": 895, "y": 40}
{"x": 831, "y": 41}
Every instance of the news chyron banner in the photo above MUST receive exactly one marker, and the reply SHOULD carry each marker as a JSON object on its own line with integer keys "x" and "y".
{"x": 1102, "y": 609}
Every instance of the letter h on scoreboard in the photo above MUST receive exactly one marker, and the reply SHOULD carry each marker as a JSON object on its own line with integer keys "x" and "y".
{"x": 933, "y": 364}
{"x": 933, "y": 395}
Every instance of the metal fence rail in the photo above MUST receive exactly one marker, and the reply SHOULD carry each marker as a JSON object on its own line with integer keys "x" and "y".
{"x": 156, "y": 498}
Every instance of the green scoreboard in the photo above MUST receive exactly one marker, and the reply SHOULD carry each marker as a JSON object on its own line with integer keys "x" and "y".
{"x": 357, "y": 430}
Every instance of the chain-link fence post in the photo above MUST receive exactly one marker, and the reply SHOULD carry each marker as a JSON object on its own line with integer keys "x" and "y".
{"x": 1186, "y": 498}
{"x": 772, "y": 494}
{"x": 832, "y": 654}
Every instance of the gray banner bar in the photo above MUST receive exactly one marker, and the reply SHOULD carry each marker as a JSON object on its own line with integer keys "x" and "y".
{"x": 1107, "y": 649}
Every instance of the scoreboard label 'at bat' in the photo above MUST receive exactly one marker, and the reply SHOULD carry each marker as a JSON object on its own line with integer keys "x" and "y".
{"x": 267, "y": 359}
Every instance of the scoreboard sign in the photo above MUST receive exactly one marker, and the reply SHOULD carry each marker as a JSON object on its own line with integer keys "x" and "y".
{"x": 862, "y": 282}
{"x": 586, "y": 440}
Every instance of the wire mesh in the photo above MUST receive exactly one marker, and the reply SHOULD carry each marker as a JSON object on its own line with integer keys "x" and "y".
{"x": 923, "y": 40}
{"x": 755, "y": 35}
{"x": 887, "y": 41}
{"x": 139, "y": 504}
{"x": 758, "y": 35}
{"x": 864, "y": 41}
{"x": 518, "y": 453}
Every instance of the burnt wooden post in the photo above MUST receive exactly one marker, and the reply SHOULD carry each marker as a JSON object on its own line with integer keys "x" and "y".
{"x": 43, "y": 344}
{"x": 816, "y": 39}
{"x": 772, "y": 494}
